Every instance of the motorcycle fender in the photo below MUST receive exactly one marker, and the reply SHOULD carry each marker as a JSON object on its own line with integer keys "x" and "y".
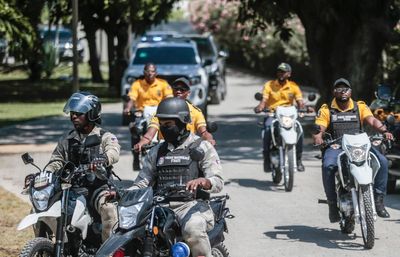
{"x": 53, "y": 211}
{"x": 363, "y": 174}
{"x": 289, "y": 136}
{"x": 81, "y": 218}
{"x": 117, "y": 240}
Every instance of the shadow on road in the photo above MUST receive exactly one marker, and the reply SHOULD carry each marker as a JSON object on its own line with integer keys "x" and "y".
{"x": 323, "y": 237}
{"x": 258, "y": 184}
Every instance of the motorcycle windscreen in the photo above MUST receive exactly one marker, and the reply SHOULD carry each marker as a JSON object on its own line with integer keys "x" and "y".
{"x": 117, "y": 240}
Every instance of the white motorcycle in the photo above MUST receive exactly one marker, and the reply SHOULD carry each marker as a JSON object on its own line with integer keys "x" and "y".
{"x": 357, "y": 168}
{"x": 63, "y": 223}
{"x": 285, "y": 133}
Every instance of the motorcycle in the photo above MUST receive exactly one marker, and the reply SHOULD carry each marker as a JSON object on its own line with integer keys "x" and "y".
{"x": 387, "y": 109}
{"x": 286, "y": 130}
{"x": 147, "y": 227}
{"x": 63, "y": 223}
{"x": 138, "y": 128}
{"x": 357, "y": 168}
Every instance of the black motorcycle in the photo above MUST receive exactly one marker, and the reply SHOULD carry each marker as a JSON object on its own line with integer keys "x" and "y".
{"x": 147, "y": 227}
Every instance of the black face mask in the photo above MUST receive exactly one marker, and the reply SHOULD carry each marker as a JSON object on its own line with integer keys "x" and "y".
{"x": 342, "y": 99}
{"x": 170, "y": 133}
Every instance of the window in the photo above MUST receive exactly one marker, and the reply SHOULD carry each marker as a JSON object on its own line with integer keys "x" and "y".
{"x": 165, "y": 55}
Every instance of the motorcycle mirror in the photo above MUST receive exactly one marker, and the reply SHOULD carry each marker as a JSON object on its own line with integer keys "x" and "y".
{"x": 391, "y": 119}
{"x": 258, "y": 96}
{"x": 92, "y": 140}
{"x": 212, "y": 126}
{"x": 125, "y": 98}
{"x": 27, "y": 158}
{"x": 311, "y": 97}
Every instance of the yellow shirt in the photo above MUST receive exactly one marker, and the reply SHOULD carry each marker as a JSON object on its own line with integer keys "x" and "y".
{"x": 144, "y": 94}
{"x": 276, "y": 94}
{"x": 323, "y": 116}
{"x": 196, "y": 116}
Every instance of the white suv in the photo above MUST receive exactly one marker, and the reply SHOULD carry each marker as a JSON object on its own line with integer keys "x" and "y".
{"x": 173, "y": 58}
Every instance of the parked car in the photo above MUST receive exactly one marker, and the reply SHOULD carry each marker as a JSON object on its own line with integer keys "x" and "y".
{"x": 214, "y": 62}
{"x": 174, "y": 59}
{"x": 61, "y": 37}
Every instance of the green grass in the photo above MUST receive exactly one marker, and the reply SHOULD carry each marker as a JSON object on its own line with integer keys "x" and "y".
{"x": 13, "y": 113}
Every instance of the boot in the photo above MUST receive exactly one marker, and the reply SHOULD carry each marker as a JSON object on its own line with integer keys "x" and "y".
{"x": 300, "y": 166}
{"x": 380, "y": 206}
{"x": 136, "y": 162}
{"x": 267, "y": 165}
{"x": 334, "y": 215}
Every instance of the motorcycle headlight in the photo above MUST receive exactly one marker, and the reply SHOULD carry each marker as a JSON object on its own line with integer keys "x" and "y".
{"x": 195, "y": 80}
{"x": 286, "y": 121}
{"x": 40, "y": 198}
{"x": 357, "y": 153}
{"x": 127, "y": 215}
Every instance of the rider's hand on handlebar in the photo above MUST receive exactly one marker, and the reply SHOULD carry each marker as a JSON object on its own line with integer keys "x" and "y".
{"x": 318, "y": 140}
{"x": 127, "y": 111}
{"x": 258, "y": 109}
{"x": 388, "y": 136}
{"x": 100, "y": 160}
{"x": 138, "y": 147}
{"x": 198, "y": 183}
{"x": 110, "y": 195}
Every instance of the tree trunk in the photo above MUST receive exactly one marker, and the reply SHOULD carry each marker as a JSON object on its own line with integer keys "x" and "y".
{"x": 112, "y": 83}
{"x": 122, "y": 54}
{"x": 345, "y": 46}
{"x": 94, "y": 62}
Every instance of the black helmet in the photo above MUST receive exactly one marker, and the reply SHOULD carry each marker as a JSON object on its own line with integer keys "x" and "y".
{"x": 284, "y": 67}
{"x": 84, "y": 102}
{"x": 174, "y": 108}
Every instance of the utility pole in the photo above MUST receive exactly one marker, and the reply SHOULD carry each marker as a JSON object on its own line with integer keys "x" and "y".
{"x": 75, "y": 74}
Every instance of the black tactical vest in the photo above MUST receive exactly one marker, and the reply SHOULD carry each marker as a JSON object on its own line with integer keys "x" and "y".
{"x": 344, "y": 122}
{"x": 176, "y": 167}
{"x": 78, "y": 158}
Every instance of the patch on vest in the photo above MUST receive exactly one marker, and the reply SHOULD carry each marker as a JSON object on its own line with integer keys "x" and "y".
{"x": 173, "y": 159}
{"x": 343, "y": 118}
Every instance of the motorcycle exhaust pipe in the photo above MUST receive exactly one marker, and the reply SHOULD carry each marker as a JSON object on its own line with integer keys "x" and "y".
{"x": 355, "y": 205}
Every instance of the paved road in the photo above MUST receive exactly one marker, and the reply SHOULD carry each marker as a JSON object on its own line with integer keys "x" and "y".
{"x": 269, "y": 221}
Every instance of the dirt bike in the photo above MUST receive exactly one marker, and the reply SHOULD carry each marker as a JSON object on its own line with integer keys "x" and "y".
{"x": 147, "y": 227}
{"x": 285, "y": 133}
{"x": 357, "y": 168}
{"x": 63, "y": 223}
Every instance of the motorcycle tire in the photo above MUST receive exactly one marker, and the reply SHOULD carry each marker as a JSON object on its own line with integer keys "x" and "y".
{"x": 220, "y": 250}
{"x": 289, "y": 177}
{"x": 347, "y": 225}
{"x": 38, "y": 246}
{"x": 366, "y": 216}
{"x": 276, "y": 175}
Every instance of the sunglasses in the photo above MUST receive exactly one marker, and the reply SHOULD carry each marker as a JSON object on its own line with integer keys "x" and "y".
{"x": 342, "y": 90}
{"x": 76, "y": 113}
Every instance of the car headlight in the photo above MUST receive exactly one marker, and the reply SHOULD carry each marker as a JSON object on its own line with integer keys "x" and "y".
{"x": 195, "y": 80}
{"x": 68, "y": 45}
{"x": 357, "y": 153}
{"x": 40, "y": 198}
{"x": 127, "y": 215}
{"x": 286, "y": 121}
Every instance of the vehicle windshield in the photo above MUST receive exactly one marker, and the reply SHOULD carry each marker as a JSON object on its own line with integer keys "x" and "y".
{"x": 205, "y": 48}
{"x": 51, "y": 34}
{"x": 165, "y": 55}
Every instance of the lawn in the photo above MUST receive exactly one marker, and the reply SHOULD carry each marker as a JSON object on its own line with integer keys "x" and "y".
{"x": 12, "y": 210}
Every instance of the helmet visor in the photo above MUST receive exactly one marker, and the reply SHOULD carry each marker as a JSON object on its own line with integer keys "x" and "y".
{"x": 78, "y": 103}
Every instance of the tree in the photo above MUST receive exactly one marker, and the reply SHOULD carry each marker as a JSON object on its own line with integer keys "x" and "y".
{"x": 344, "y": 38}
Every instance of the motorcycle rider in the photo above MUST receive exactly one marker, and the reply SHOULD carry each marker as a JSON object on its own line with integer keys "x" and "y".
{"x": 280, "y": 92}
{"x": 172, "y": 162}
{"x": 345, "y": 116}
{"x": 180, "y": 89}
{"x": 148, "y": 91}
{"x": 84, "y": 109}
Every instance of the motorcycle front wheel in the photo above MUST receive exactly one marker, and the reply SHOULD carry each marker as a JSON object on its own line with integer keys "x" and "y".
{"x": 289, "y": 169}
{"x": 366, "y": 216}
{"x": 38, "y": 247}
{"x": 219, "y": 251}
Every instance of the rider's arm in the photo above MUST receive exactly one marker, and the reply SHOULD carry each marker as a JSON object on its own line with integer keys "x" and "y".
{"x": 133, "y": 94}
{"x": 322, "y": 120}
{"x": 59, "y": 153}
{"x": 298, "y": 96}
{"x": 202, "y": 131}
{"x": 211, "y": 167}
{"x": 147, "y": 175}
{"x": 263, "y": 103}
{"x": 111, "y": 147}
